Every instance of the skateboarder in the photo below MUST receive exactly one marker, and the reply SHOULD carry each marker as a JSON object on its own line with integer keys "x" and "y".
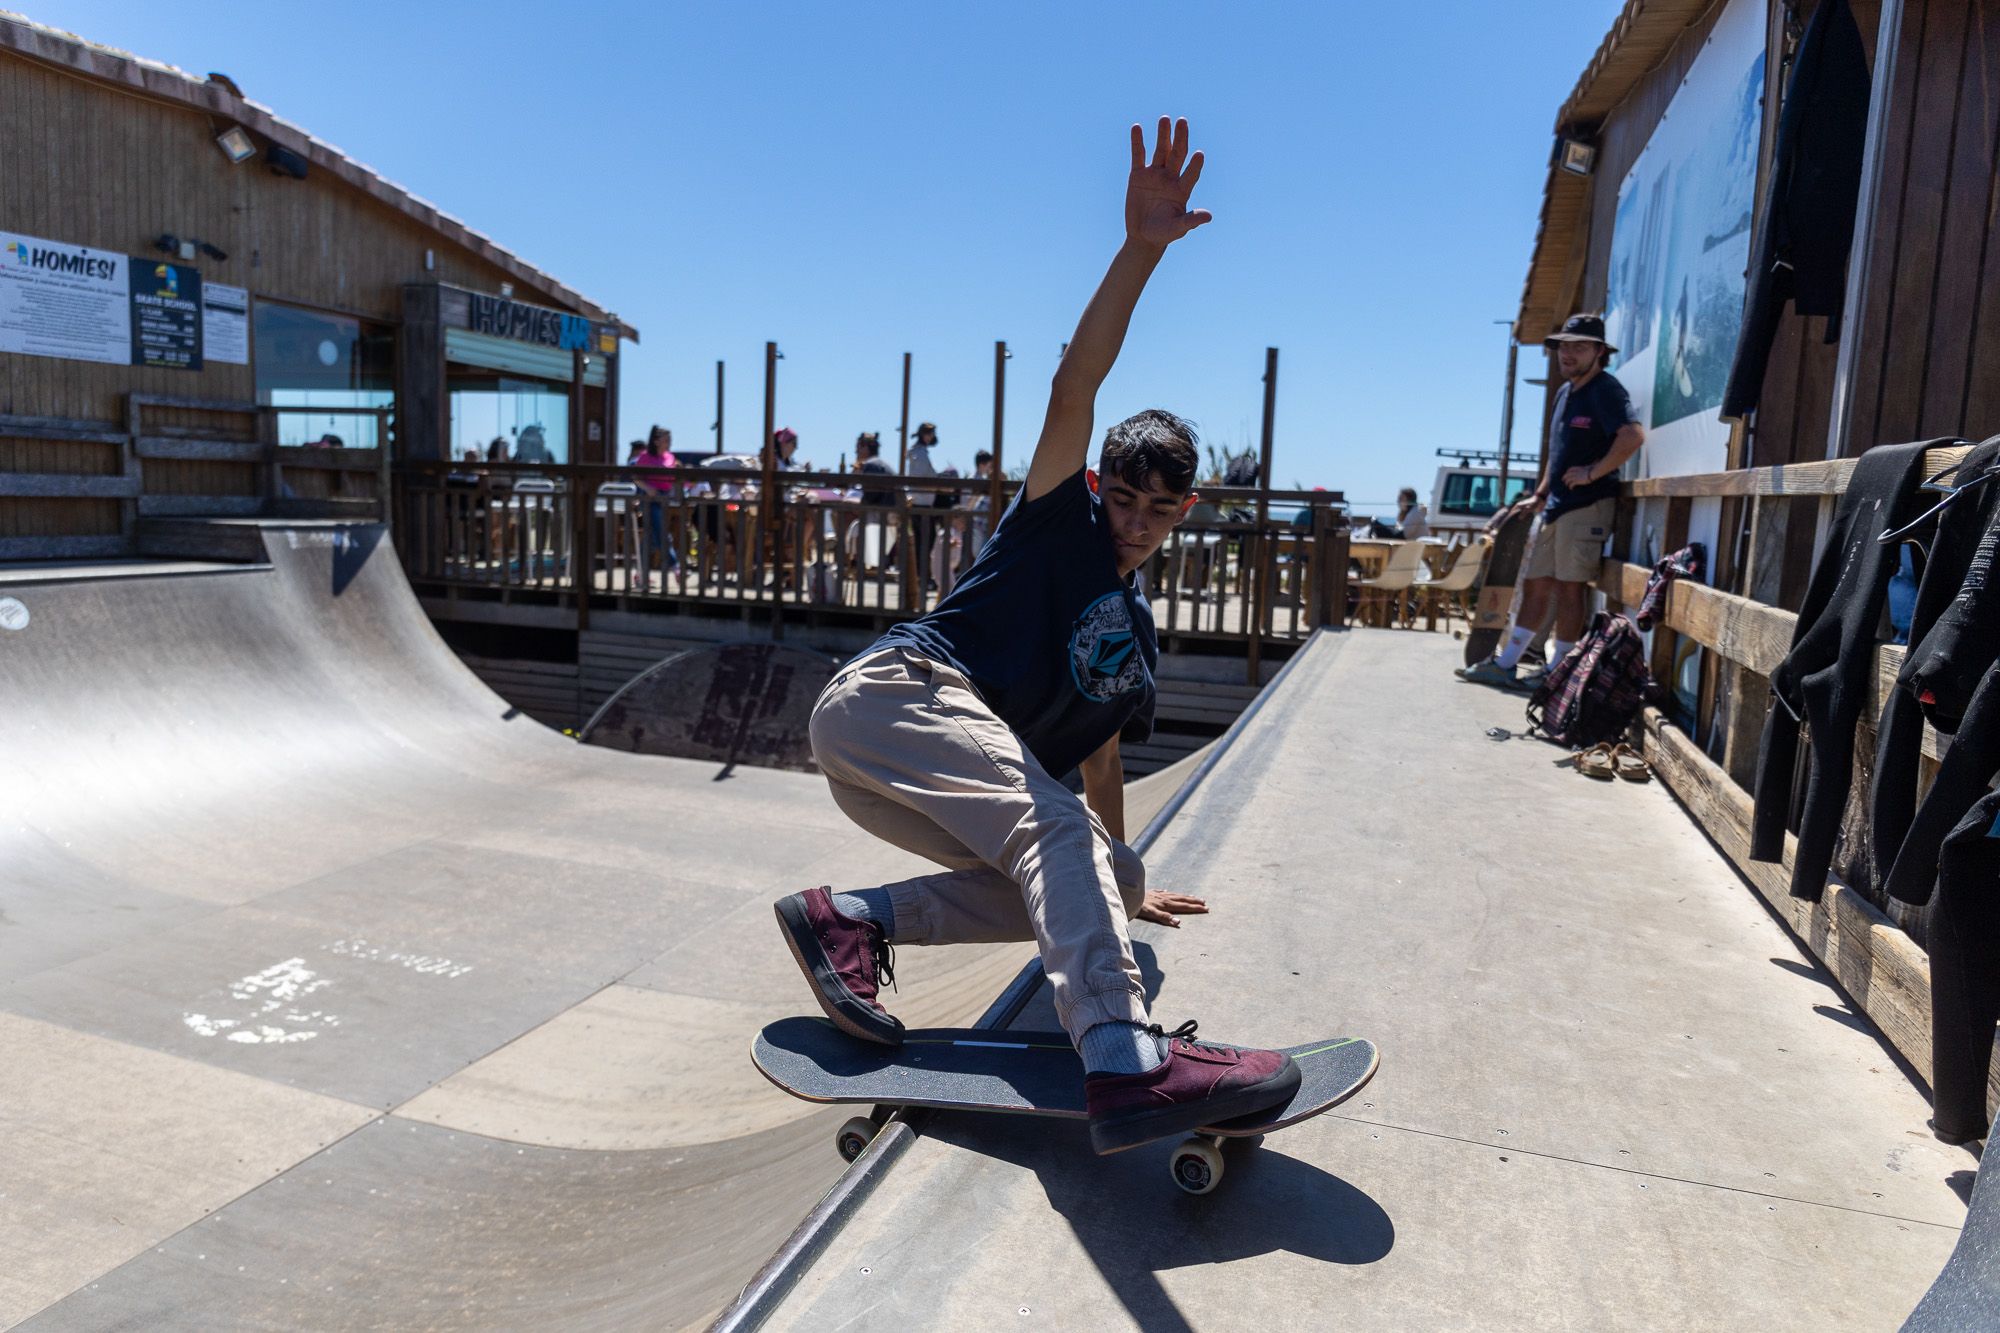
{"x": 1591, "y": 433}
{"x": 948, "y": 738}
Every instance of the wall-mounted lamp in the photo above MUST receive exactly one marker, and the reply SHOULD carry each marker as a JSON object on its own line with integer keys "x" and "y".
{"x": 1576, "y": 157}
{"x": 236, "y": 144}
{"x": 507, "y": 289}
{"x": 188, "y": 247}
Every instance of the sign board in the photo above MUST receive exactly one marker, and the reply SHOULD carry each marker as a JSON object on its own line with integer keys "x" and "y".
{"x": 166, "y": 315}
{"x": 64, "y": 300}
{"x": 504, "y": 318}
{"x": 225, "y": 323}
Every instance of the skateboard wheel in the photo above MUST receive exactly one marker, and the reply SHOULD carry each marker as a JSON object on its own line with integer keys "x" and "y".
{"x": 854, "y": 1137}
{"x": 1197, "y": 1166}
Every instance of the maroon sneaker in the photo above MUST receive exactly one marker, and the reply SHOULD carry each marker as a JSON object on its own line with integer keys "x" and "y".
{"x": 1197, "y": 1084}
{"x": 846, "y": 960}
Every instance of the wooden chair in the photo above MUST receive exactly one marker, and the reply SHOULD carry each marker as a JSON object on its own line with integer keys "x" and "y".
{"x": 1451, "y": 591}
{"x": 1386, "y": 589}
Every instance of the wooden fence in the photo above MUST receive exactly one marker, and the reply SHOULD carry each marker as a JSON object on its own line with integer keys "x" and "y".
{"x": 700, "y": 536}
{"x": 1874, "y": 945}
{"x": 74, "y": 489}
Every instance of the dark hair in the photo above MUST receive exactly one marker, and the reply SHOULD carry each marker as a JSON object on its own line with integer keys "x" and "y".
{"x": 871, "y": 441}
{"x": 982, "y": 458}
{"x": 1407, "y": 493}
{"x": 1151, "y": 444}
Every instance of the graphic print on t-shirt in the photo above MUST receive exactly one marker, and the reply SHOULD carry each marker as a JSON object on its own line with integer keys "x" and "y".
{"x": 1104, "y": 652}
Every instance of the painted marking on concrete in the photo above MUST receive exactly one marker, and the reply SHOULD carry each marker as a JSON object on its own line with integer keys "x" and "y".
{"x": 427, "y": 964}
{"x": 270, "y": 999}
{"x": 13, "y": 613}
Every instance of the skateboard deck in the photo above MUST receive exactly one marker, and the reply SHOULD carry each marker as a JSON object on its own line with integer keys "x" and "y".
{"x": 1016, "y": 1073}
{"x": 1496, "y": 591}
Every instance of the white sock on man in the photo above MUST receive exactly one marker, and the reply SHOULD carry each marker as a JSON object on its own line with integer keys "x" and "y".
{"x": 1559, "y": 649}
{"x": 1120, "y": 1048}
{"x": 1517, "y": 643}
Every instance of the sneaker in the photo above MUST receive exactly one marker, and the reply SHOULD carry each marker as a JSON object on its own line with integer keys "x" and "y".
{"x": 1488, "y": 672}
{"x": 845, "y": 960}
{"x": 1529, "y": 682}
{"x": 1197, "y": 1084}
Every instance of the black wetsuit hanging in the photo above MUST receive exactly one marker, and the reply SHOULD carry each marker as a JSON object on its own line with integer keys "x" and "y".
{"x": 1958, "y": 546}
{"x": 1965, "y": 973}
{"x": 1826, "y": 676}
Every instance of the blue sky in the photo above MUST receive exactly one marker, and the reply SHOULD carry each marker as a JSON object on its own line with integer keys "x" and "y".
{"x": 857, "y": 181}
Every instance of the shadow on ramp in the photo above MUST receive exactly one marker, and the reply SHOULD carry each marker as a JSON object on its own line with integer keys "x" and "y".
{"x": 1134, "y": 1224}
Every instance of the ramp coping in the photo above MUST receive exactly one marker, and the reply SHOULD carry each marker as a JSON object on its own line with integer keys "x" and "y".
{"x": 773, "y": 1282}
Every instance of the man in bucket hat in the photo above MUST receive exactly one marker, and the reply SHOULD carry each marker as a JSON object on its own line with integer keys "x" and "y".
{"x": 1591, "y": 433}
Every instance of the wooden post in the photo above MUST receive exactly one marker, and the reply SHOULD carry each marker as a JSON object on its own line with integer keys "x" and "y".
{"x": 1257, "y": 546}
{"x": 767, "y": 534}
{"x": 1000, "y": 355}
{"x": 719, "y": 409}
{"x": 903, "y": 430}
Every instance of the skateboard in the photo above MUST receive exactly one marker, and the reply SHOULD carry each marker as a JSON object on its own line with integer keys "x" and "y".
{"x": 1496, "y": 591}
{"x": 1018, "y": 1073}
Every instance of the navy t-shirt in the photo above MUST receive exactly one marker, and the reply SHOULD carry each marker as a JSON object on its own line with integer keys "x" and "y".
{"x": 1054, "y": 641}
{"x": 1581, "y": 429}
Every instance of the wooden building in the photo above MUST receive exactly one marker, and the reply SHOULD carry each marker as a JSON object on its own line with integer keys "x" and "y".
{"x": 1916, "y": 357}
{"x": 205, "y": 311}
{"x": 1919, "y": 352}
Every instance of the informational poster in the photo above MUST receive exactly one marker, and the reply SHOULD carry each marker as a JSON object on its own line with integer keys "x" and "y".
{"x": 225, "y": 323}
{"x": 166, "y": 315}
{"x": 64, "y": 300}
{"x": 1680, "y": 243}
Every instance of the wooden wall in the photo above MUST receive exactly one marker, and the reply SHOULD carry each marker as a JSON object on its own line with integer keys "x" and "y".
{"x": 1929, "y": 359}
{"x": 107, "y": 167}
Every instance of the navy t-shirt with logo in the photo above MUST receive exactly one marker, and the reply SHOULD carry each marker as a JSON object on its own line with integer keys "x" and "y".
{"x": 1055, "y": 642}
{"x": 1581, "y": 429}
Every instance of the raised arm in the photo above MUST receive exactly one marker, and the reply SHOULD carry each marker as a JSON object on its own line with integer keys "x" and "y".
{"x": 1156, "y": 215}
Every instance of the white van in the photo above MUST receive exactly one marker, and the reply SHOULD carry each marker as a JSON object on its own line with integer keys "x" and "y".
{"x": 1465, "y": 495}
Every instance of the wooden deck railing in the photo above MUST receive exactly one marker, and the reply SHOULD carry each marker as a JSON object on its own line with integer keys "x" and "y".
{"x": 701, "y": 536}
{"x": 74, "y": 489}
{"x": 1873, "y": 946}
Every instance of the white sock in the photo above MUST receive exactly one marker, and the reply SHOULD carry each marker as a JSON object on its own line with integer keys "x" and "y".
{"x": 1120, "y": 1048}
{"x": 1517, "y": 643}
{"x": 1559, "y": 649}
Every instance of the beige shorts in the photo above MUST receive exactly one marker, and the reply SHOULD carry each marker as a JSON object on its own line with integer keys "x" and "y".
{"x": 1571, "y": 549}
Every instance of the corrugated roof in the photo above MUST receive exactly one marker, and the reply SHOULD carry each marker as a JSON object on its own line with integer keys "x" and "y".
{"x": 67, "y": 51}
{"x": 1641, "y": 37}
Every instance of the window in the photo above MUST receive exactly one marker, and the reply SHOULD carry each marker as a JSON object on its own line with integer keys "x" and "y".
{"x": 507, "y": 420}
{"x": 1474, "y": 493}
{"x": 311, "y": 365}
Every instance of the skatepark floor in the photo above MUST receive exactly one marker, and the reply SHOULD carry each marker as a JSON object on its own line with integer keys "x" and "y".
{"x": 1613, "y": 1092}
{"x": 335, "y": 994}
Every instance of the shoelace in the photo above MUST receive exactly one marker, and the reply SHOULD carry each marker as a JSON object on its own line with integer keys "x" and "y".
{"x": 1185, "y": 1032}
{"x": 884, "y": 954}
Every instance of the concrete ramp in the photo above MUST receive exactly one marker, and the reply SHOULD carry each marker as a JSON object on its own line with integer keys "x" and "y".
{"x": 334, "y": 994}
{"x": 1613, "y": 1093}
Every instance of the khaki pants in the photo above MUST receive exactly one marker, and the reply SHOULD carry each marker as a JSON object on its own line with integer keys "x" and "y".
{"x": 914, "y": 756}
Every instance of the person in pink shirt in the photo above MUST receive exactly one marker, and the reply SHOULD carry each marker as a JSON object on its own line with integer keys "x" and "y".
{"x": 658, "y": 453}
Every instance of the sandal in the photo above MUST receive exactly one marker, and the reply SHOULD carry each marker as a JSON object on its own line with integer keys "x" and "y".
{"x": 1627, "y": 764}
{"x": 1596, "y": 762}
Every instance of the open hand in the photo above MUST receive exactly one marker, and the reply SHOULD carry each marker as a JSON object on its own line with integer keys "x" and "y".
{"x": 1156, "y": 195}
{"x": 1577, "y": 477}
{"x": 1166, "y": 909}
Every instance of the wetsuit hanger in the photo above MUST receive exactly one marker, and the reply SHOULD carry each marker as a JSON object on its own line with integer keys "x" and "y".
{"x": 1936, "y": 484}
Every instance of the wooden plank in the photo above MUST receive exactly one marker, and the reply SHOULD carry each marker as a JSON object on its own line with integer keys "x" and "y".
{"x": 67, "y": 486}
{"x": 198, "y": 450}
{"x": 322, "y": 507}
{"x": 60, "y": 428}
{"x": 1907, "y": 348}
{"x": 200, "y": 506}
{"x": 1885, "y": 973}
{"x": 306, "y": 458}
{"x": 63, "y": 548}
{"x": 1822, "y": 478}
